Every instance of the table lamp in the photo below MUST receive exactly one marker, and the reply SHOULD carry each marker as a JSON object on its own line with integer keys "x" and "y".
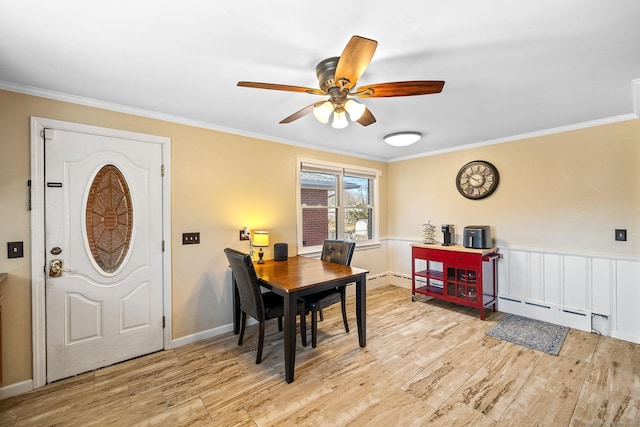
{"x": 261, "y": 240}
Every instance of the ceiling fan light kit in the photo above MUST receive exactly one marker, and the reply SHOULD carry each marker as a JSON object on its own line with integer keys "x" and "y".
{"x": 339, "y": 120}
{"x": 323, "y": 112}
{"x": 354, "y": 108}
{"x": 402, "y": 139}
{"x": 337, "y": 77}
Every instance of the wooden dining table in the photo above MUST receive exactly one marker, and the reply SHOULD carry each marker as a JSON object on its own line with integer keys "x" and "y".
{"x": 298, "y": 276}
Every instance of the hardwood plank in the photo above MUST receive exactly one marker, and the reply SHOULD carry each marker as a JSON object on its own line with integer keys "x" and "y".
{"x": 426, "y": 362}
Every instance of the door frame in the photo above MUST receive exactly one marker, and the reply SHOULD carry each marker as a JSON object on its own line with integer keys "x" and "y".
{"x": 38, "y": 278}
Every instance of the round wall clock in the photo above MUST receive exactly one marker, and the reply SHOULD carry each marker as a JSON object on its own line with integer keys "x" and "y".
{"x": 477, "y": 180}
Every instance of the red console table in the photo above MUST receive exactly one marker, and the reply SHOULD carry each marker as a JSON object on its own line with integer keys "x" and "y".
{"x": 456, "y": 274}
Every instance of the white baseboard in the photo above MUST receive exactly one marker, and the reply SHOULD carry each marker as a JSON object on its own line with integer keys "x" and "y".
{"x": 16, "y": 389}
{"x": 625, "y": 337}
{"x": 400, "y": 280}
{"x": 373, "y": 281}
{"x": 203, "y": 335}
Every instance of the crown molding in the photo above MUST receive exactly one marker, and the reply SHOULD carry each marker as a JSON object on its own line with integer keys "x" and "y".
{"x": 74, "y": 99}
{"x": 560, "y": 129}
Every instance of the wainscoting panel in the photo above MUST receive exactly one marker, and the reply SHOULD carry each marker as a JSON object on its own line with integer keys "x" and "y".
{"x": 576, "y": 285}
{"x": 536, "y": 276}
{"x": 602, "y": 278}
{"x": 627, "y": 302}
{"x": 551, "y": 276}
{"x": 592, "y": 293}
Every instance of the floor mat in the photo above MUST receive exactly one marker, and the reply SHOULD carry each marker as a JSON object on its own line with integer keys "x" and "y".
{"x": 530, "y": 333}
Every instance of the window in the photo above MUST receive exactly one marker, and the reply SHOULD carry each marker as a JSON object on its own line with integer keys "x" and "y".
{"x": 336, "y": 202}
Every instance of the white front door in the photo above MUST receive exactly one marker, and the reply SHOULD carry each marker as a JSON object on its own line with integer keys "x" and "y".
{"x": 103, "y": 243}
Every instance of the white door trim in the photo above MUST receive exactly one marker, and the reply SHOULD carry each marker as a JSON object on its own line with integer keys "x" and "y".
{"x": 38, "y": 306}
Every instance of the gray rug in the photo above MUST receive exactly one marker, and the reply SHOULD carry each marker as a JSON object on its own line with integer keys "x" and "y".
{"x": 530, "y": 333}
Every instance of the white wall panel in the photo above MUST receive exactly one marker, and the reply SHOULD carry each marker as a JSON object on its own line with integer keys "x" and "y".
{"x": 627, "y": 301}
{"x": 551, "y": 278}
{"x": 518, "y": 274}
{"x": 601, "y": 285}
{"x": 536, "y": 277}
{"x": 575, "y": 282}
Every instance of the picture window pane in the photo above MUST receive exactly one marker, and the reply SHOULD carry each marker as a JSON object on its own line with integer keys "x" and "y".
{"x": 336, "y": 202}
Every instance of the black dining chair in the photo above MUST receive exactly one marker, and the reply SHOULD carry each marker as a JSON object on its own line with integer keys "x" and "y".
{"x": 339, "y": 252}
{"x": 260, "y": 305}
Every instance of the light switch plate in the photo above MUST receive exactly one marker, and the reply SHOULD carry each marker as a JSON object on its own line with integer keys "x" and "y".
{"x": 621, "y": 235}
{"x": 15, "y": 249}
{"x": 191, "y": 238}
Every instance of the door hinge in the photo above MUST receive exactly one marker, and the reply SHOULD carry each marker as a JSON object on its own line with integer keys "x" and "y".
{"x": 47, "y": 134}
{"x": 29, "y": 194}
{"x": 162, "y": 170}
{"x": 163, "y": 246}
{"x": 164, "y": 323}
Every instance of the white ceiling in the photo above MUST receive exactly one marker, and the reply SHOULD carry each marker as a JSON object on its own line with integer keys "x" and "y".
{"x": 511, "y": 68}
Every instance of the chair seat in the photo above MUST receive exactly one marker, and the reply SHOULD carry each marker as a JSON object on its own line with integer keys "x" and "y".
{"x": 315, "y": 303}
{"x": 324, "y": 299}
{"x": 273, "y": 307}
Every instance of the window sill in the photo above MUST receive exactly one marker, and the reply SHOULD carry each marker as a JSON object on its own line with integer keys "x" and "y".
{"x": 317, "y": 251}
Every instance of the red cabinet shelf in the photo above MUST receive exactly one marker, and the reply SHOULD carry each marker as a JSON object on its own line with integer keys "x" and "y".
{"x": 457, "y": 274}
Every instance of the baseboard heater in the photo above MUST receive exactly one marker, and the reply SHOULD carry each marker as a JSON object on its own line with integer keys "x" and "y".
{"x": 546, "y": 312}
{"x": 577, "y": 313}
{"x": 537, "y": 305}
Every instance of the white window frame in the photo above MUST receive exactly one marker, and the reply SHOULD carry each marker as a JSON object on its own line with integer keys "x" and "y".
{"x": 341, "y": 170}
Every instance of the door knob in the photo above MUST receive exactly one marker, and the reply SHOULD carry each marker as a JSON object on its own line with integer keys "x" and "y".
{"x": 56, "y": 269}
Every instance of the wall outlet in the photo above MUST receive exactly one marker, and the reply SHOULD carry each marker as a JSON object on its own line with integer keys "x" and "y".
{"x": 621, "y": 235}
{"x": 190, "y": 238}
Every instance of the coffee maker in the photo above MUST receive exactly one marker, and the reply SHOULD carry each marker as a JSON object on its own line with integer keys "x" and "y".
{"x": 448, "y": 235}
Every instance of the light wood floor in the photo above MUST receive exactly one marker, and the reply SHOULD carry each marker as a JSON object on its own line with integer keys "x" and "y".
{"x": 426, "y": 363}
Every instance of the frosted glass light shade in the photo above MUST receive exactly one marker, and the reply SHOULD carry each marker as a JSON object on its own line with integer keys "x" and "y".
{"x": 402, "y": 139}
{"x": 323, "y": 112}
{"x": 340, "y": 120}
{"x": 354, "y": 108}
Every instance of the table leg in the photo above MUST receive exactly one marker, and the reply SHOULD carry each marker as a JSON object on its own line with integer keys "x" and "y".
{"x": 236, "y": 306}
{"x": 361, "y": 309}
{"x": 290, "y": 309}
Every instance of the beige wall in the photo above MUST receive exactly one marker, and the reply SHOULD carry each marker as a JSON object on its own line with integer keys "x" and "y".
{"x": 564, "y": 192}
{"x": 220, "y": 183}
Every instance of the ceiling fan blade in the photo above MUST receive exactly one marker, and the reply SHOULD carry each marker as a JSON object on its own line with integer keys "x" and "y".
{"x": 273, "y": 86}
{"x": 301, "y": 113}
{"x": 408, "y": 88}
{"x": 354, "y": 59}
{"x": 367, "y": 118}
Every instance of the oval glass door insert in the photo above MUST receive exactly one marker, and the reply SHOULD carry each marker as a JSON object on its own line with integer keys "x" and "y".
{"x": 109, "y": 218}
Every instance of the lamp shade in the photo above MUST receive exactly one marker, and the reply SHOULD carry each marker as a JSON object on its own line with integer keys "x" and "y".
{"x": 260, "y": 239}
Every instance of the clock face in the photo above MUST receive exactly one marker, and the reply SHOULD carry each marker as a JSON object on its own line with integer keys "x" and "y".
{"x": 477, "y": 179}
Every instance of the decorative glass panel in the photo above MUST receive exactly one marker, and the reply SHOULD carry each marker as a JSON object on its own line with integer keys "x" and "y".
{"x": 109, "y": 218}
